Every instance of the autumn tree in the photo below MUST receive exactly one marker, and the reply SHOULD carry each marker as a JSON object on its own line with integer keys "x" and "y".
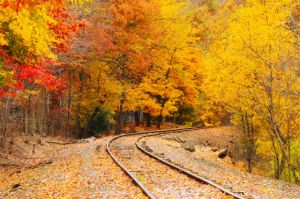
{"x": 172, "y": 80}
{"x": 31, "y": 34}
{"x": 133, "y": 33}
{"x": 252, "y": 64}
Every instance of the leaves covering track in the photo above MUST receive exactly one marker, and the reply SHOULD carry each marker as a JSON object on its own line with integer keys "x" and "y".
{"x": 151, "y": 183}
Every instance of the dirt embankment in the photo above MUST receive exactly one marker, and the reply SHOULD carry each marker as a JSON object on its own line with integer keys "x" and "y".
{"x": 28, "y": 151}
{"x": 217, "y": 138}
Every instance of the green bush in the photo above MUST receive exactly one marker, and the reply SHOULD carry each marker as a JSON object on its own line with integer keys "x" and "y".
{"x": 102, "y": 122}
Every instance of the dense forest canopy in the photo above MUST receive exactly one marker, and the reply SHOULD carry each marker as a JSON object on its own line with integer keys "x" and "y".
{"x": 80, "y": 67}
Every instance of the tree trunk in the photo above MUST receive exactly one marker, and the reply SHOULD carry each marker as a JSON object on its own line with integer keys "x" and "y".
{"x": 27, "y": 117}
{"x": 249, "y": 141}
{"x": 160, "y": 117}
{"x": 69, "y": 102}
{"x": 33, "y": 118}
{"x": 78, "y": 110}
{"x": 121, "y": 119}
{"x": 137, "y": 118}
{"x": 147, "y": 120}
{"x": 159, "y": 120}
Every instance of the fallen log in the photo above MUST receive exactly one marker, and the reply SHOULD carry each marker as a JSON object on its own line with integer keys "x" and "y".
{"x": 32, "y": 167}
{"x": 40, "y": 164}
{"x": 60, "y": 143}
{"x": 8, "y": 165}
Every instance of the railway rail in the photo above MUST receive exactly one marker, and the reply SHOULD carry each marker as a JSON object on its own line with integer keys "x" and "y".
{"x": 117, "y": 148}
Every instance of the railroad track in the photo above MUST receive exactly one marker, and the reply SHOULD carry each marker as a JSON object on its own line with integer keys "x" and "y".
{"x": 153, "y": 174}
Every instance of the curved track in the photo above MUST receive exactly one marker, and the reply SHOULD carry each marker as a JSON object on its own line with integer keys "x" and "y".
{"x": 153, "y": 174}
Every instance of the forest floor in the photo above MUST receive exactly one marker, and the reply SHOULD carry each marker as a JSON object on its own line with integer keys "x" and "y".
{"x": 81, "y": 170}
{"x": 84, "y": 170}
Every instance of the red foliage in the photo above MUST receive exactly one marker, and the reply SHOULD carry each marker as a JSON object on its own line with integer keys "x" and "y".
{"x": 38, "y": 72}
{"x": 32, "y": 75}
{"x": 17, "y": 5}
{"x": 66, "y": 28}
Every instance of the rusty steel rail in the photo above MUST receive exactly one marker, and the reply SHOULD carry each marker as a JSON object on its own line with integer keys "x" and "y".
{"x": 135, "y": 180}
{"x": 185, "y": 171}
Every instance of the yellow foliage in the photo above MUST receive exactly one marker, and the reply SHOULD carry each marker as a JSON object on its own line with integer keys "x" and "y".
{"x": 32, "y": 28}
{"x": 173, "y": 80}
{"x": 251, "y": 66}
{"x": 2, "y": 39}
